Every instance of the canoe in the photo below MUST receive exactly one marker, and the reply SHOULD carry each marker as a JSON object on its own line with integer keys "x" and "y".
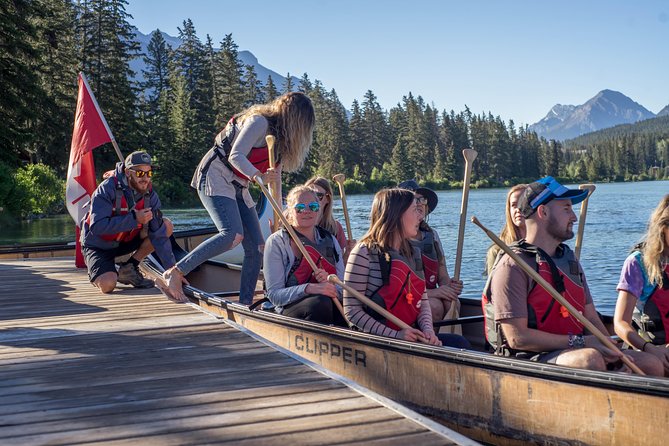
{"x": 488, "y": 398}
{"x": 189, "y": 239}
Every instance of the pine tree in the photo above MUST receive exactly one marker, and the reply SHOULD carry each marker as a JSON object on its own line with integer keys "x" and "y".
{"x": 155, "y": 109}
{"x": 305, "y": 86}
{"x": 106, "y": 42}
{"x": 56, "y": 68}
{"x": 20, "y": 83}
{"x": 253, "y": 92}
{"x": 270, "y": 90}
{"x": 190, "y": 62}
{"x": 229, "y": 79}
{"x": 287, "y": 86}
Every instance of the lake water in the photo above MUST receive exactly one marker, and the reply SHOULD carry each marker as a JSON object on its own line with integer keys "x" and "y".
{"x": 617, "y": 217}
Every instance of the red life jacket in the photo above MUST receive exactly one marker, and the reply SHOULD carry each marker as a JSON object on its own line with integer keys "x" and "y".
{"x": 430, "y": 255}
{"x": 657, "y": 308}
{"x": 120, "y": 209}
{"x": 323, "y": 254}
{"x": 401, "y": 291}
{"x": 544, "y": 313}
{"x": 259, "y": 156}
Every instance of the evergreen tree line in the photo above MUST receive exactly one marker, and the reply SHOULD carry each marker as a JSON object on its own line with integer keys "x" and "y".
{"x": 189, "y": 93}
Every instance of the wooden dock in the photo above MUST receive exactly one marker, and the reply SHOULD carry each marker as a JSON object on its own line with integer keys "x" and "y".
{"x": 132, "y": 367}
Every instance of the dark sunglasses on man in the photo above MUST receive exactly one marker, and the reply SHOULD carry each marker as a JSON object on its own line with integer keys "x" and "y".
{"x": 301, "y": 207}
{"x": 141, "y": 173}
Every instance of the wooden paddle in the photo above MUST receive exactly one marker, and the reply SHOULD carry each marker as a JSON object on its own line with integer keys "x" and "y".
{"x": 339, "y": 179}
{"x": 581, "y": 218}
{"x": 454, "y": 310}
{"x": 293, "y": 235}
{"x": 557, "y": 296}
{"x": 470, "y": 156}
{"x": 371, "y": 304}
{"x": 274, "y": 188}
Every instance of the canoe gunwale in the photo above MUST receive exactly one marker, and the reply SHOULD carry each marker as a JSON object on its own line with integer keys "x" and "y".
{"x": 620, "y": 382}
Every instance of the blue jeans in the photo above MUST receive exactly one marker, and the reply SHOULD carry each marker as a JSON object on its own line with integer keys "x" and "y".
{"x": 231, "y": 217}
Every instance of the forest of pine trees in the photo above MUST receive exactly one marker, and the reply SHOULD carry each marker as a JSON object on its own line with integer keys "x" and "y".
{"x": 190, "y": 92}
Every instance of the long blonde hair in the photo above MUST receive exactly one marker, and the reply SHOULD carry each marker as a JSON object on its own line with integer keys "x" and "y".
{"x": 510, "y": 232}
{"x": 327, "y": 220}
{"x": 291, "y": 119}
{"x": 292, "y": 198}
{"x": 385, "y": 224}
{"x": 654, "y": 244}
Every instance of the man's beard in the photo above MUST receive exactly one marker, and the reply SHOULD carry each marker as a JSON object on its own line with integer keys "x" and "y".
{"x": 137, "y": 186}
{"x": 560, "y": 234}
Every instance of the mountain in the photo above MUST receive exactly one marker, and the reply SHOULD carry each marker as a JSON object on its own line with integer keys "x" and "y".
{"x": 663, "y": 112}
{"x": 247, "y": 58}
{"x": 653, "y": 129}
{"x": 606, "y": 109}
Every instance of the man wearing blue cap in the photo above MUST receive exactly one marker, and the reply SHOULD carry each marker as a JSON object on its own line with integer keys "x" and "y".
{"x": 522, "y": 319}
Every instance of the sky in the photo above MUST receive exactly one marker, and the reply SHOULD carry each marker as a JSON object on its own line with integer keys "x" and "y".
{"x": 515, "y": 59}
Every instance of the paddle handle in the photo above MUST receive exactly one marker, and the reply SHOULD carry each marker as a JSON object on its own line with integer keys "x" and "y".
{"x": 293, "y": 235}
{"x": 470, "y": 156}
{"x": 557, "y": 296}
{"x": 339, "y": 179}
{"x": 581, "y": 218}
{"x": 273, "y": 187}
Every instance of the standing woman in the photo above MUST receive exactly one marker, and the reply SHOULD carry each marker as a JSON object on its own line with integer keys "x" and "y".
{"x": 643, "y": 290}
{"x": 223, "y": 175}
{"x": 514, "y": 226}
{"x": 383, "y": 267}
{"x": 324, "y": 193}
{"x": 292, "y": 286}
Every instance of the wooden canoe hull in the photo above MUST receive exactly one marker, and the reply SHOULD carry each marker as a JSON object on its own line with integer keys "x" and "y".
{"x": 488, "y": 398}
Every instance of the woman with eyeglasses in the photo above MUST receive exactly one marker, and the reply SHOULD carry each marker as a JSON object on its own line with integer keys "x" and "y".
{"x": 292, "y": 286}
{"x": 323, "y": 191}
{"x": 224, "y": 173}
{"x": 383, "y": 267}
{"x": 442, "y": 291}
{"x": 641, "y": 318}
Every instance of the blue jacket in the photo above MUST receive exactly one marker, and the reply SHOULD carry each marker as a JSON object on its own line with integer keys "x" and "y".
{"x": 102, "y": 221}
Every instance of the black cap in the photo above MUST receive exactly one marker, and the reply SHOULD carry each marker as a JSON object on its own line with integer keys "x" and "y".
{"x": 137, "y": 158}
{"x": 412, "y": 185}
{"x": 543, "y": 191}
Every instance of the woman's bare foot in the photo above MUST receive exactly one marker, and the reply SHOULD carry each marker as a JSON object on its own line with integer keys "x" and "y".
{"x": 171, "y": 284}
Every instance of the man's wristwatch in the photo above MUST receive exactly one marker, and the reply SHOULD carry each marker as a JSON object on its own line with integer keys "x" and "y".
{"x": 576, "y": 341}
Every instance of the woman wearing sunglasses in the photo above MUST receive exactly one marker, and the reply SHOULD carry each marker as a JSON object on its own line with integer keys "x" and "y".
{"x": 223, "y": 175}
{"x": 383, "y": 266}
{"x": 323, "y": 191}
{"x": 292, "y": 287}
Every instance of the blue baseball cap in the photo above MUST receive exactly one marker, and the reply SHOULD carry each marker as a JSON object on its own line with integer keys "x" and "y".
{"x": 543, "y": 191}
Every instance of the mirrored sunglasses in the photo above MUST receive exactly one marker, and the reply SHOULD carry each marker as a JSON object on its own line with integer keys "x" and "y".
{"x": 141, "y": 173}
{"x": 301, "y": 207}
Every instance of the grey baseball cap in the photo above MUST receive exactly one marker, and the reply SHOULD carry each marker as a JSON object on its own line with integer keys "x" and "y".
{"x": 137, "y": 158}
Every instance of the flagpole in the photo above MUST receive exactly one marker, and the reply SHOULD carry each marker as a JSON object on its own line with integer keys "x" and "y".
{"x": 104, "y": 121}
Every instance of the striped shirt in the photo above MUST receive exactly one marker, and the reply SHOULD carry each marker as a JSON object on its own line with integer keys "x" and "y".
{"x": 363, "y": 273}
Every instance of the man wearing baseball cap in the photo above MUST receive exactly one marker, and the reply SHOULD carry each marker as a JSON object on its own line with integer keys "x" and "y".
{"x": 125, "y": 218}
{"x": 522, "y": 319}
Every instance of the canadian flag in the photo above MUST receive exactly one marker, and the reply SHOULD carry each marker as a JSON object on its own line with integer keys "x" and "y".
{"x": 90, "y": 131}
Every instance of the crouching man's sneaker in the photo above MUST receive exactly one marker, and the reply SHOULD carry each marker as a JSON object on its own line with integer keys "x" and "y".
{"x": 128, "y": 274}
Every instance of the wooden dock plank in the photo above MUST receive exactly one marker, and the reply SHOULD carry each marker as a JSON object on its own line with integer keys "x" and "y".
{"x": 132, "y": 367}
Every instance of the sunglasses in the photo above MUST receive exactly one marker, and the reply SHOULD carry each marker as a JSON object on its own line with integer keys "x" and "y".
{"x": 301, "y": 207}
{"x": 141, "y": 173}
{"x": 420, "y": 200}
{"x": 320, "y": 195}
